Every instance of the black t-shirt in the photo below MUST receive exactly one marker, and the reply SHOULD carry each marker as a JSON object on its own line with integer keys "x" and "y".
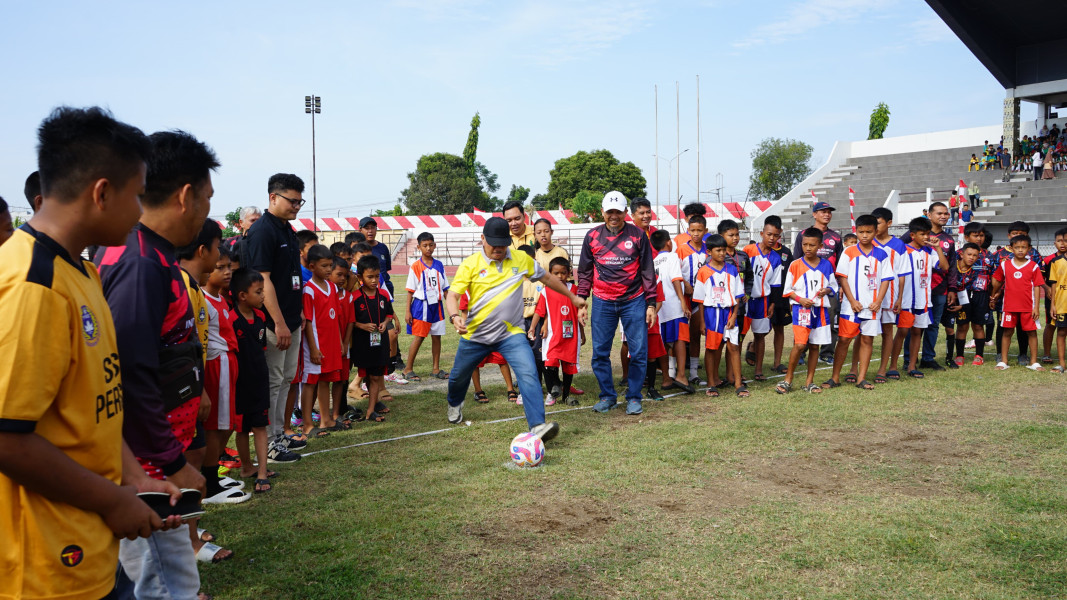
{"x": 253, "y": 381}
{"x": 386, "y": 260}
{"x": 372, "y": 309}
{"x": 787, "y": 258}
{"x": 271, "y": 246}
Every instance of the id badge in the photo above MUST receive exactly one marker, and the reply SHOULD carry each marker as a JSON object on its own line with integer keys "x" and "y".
{"x": 718, "y": 294}
{"x": 375, "y": 339}
{"x": 568, "y": 330}
{"x": 804, "y": 317}
{"x": 296, "y": 282}
{"x": 980, "y": 283}
{"x": 924, "y": 280}
{"x": 872, "y": 282}
{"x": 962, "y": 298}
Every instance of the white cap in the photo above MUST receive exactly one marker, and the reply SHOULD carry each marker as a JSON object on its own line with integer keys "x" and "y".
{"x": 614, "y": 200}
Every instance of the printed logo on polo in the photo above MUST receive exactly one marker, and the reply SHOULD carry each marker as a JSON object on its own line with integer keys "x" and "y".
{"x": 333, "y": 315}
{"x": 565, "y": 310}
{"x": 944, "y": 245}
{"x": 90, "y": 327}
{"x": 628, "y": 245}
{"x": 831, "y": 243}
{"x": 483, "y": 273}
{"x": 203, "y": 315}
{"x": 71, "y": 555}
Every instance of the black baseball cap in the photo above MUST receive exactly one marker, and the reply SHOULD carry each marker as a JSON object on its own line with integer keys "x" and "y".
{"x": 497, "y": 232}
{"x": 822, "y": 206}
{"x": 367, "y": 221}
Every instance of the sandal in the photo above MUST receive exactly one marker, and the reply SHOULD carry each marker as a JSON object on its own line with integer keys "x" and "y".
{"x": 814, "y": 389}
{"x": 783, "y": 387}
{"x": 851, "y": 378}
{"x": 712, "y": 393}
{"x": 865, "y": 385}
{"x": 750, "y": 356}
{"x": 513, "y": 396}
{"x": 781, "y": 369}
{"x": 205, "y": 536}
{"x": 270, "y": 474}
{"x": 830, "y": 384}
{"x": 481, "y": 397}
{"x": 441, "y": 375}
{"x": 209, "y": 553}
{"x": 759, "y": 377}
{"x": 880, "y": 379}
{"x": 317, "y": 433}
{"x": 411, "y": 376}
{"x": 262, "y": 486}
{"x": 1058, "y": 369}
{"x": 297, "y": 437}
{"x": 1001, "y": 366}
{"x": 375, "y": 417}
{"x": 917, "y": 374}
{"x": 338, "y": 426}
{"x": 893, "y": 375}
{"x": 1036, "y": 367}
{"x": 742, "y": 392}
{"x": 380, "y": 407}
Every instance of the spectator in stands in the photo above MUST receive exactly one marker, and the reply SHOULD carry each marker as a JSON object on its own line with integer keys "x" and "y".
{"x": 1044, "y": 130}
{"x": 521, "y": 235}
{"x": 973, "y": 164}
{"x": 1037, "y": 162}
{"x": 32, "y": 191}
{"x": 954, "y": 208}
{"x": 249, "y": 215}
{"x": 1047, "y": 165}
{"x": 831, "y": 249}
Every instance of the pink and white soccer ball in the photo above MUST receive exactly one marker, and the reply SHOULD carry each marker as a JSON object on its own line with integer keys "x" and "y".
{"x": 527, "y": 450}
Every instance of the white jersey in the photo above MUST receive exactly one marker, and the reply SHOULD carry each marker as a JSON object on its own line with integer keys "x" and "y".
{"x": 669, "y": 270}
{"x": 896, "y": 249}
{"x": 716, "y": 288}
{"x": 919, "y": 280}
{"x": 864, "y": 274}
{"x": 804, "y": 281}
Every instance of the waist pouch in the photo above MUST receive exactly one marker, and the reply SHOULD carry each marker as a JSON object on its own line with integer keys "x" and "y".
{"x": 180, "y": 374}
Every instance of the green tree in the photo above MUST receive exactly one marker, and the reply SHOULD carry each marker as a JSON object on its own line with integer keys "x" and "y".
{"x": 470, "y": 152}
{"x": 541, "y": 202}
{"x": 232, "y": 219}
{"x": 596, "y": 171}
{"x": 777, "y": 167}
{"x": 396, "y": 211}
{"x": 879, "y": 121}
{"x": 519, "y": 194}
{"x": 587, "y": 206}
{"x": 442, "y": 185}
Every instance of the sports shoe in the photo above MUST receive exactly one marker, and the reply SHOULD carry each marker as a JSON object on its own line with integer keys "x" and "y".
{"x": 653, "y": 394}
{"x": 1024, "y": 360}
{"x": 978, "y": 361}
{"x": 826, "y": 361}
{"x": 604, "y": 406}
{"x": 455, "y": 414}
{"x": 277, "y": 453}
{"x": 549, "y": 400}
{"x": 395, "y": 378}
{"x": 556, "y": 391}
{"x": 697, "y": 382}
{"x": 930, "y": 364}
{"x": 959, "y": 361}
{"x": 633, "y": 407}
{"x": 950, "y": 363}
{"x": 292, "y": 444}
{"x": 545, "y": 431}
{"x": 228, "y": 496}
{"x": 518, "y": 399}
{"x": 400, "y": 365}
{"x": 576, "y": 391}
{"x": 970, "y": 344}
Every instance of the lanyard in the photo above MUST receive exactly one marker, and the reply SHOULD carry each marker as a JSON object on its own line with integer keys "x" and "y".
{"x": 377, "y": 318}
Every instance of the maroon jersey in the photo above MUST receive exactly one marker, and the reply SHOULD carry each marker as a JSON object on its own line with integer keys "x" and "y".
{"x": 617, "y": 266}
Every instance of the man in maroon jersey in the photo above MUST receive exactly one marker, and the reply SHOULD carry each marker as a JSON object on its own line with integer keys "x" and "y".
{"x": 616, "y": 266}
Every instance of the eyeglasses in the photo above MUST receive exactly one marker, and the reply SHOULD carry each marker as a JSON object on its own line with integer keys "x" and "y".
{"x": 296, "y": 203}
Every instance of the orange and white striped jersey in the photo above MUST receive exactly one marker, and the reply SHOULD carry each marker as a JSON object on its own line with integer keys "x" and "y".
{"x": 919, "y": 280}
{"x": 896, "y": 249}
{"x": 864, "y": 274}
{"x": 691, "y": 260}
{"x": 721, "y": 288}
{"x": 766, "y": 270}
{"x": 804, "y": 281}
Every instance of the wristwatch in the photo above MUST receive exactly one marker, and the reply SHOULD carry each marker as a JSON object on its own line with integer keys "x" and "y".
{"x": 452, "y": 317}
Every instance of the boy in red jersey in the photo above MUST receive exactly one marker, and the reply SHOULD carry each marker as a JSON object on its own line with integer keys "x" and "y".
{"x": 1019, "y": 281}
{"x": 560, "y": 346}
{"x": 321, "y": 340}
{"x": 337, "y": 398}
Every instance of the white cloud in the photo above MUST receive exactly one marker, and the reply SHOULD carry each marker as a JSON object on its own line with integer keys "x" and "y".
{"x": 808, "y": 16}
{"x": 553, "y": 33}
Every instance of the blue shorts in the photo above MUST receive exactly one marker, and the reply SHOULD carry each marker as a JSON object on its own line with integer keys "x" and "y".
{"x": 756, "y": 317}
{"x": 675, "y": 330}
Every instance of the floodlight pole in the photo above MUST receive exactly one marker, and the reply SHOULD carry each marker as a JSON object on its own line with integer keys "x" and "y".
{"x": 313, "y": 106}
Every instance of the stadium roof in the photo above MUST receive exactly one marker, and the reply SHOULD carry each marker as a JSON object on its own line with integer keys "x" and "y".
{"x": 1021, "y": 42}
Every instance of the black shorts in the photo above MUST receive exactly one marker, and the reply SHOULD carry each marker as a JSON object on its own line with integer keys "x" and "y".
{"x": 975, "y": 312}
{"x": 783, "y": 313}
{"x": 252, "y": 420}
{"x": 948, "y": 318}
{"x": 1060, "y": 322}
{"x": 365, "y": 372}
{"x": 198, "y": 441}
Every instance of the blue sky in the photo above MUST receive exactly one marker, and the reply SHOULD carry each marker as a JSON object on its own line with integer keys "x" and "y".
{"x": 403, "y": 78}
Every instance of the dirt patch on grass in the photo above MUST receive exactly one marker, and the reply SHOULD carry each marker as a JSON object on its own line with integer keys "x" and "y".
{"x": 894, "y": 446}
{"x": 587, "y": 520}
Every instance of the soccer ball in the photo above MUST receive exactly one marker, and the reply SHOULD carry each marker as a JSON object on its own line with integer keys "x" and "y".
{"x": 527, "y": 450}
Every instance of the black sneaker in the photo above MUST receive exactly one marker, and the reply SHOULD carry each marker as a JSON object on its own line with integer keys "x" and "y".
{"x": 291, "y": 444}
{"x": 653, "y": 394}
{"x": 951, "y": 364}
{"x": 930, "y": 364}
{"x": 400, "y": 363}
{"x": 279, "y": 454}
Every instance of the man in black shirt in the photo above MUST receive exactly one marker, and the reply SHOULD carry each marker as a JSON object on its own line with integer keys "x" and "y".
{"x": 272, "y": 249}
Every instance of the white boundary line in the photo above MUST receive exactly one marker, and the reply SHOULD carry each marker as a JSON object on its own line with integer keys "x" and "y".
{"x": 505, "y": 420}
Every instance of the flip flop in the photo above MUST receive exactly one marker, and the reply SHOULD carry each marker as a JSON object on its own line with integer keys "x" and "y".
{"x": 712, "y": 393}
{"x": 374, "y": 417}
{"x": 781, "y": 369}
{"x": 742, "y": 392}
{"x": 893, "y": 375}
{"x": 917, "y": 374}
{"x": 830, "y": 384}
{"x": 865, "y": 385}
{"x": 318, "y": 433}
{"x": 1036, "y": 367}
{"x": 204, "y": 535}
{"x": 380, "y": 406}
{"x": 851, "y": 378}
{"x": 208, "y": 552}
{"x": 759, "y": 377}
{"x": 1001, "y": 366}
{"x": 411, "y": 376}
{"x": 259, "y": 486}
{"x": 880, "y": 379}
{"x": 227, "y": 483}
{"x": 441, "y": 375}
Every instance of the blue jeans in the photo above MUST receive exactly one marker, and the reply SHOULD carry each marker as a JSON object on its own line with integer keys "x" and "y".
{"x": 162, "y": 565}
{"x": 606, "y": 317}
{"x": 516, "y": 351}
{"x": 937, "y": 310}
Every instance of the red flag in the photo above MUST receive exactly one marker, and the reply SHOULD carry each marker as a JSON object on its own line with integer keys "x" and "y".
{"x": 852, "y": 207}
{"x": 813, "y": 198}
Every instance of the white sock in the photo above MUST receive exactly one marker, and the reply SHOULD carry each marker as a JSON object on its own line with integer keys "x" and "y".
{"x": 672, "y": 367}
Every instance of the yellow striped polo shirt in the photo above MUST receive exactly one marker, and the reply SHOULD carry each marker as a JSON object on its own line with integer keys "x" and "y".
{"x": 496, "y": 294}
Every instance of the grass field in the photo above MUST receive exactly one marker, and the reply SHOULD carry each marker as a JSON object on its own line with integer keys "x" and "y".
{"x": 951, "y": 487}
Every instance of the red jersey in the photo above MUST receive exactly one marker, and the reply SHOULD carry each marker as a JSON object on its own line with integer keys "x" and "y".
{"x": 1019, "y": 284}
{"x": 322, "y": 310}
{"x": 348, "y": 311}
{"x": 223, "y": 327}
{"x": 561, "y": 341}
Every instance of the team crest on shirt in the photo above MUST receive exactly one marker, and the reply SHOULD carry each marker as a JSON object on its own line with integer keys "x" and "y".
{"x": 203, "y": 315}
{"x": 944, "y": 245}
{"x": 483, "y": 273}
{"x": 1017, "y": 275}
{"x": 628, "y": 245}
{"x": 333, "y": 315}
{"x": 564, "y": 310}
{"x": 514, "y": 270}
{"x": 90, "y": 328}
{"x": 831, "y": 243}
{"x": 71, "y": 556}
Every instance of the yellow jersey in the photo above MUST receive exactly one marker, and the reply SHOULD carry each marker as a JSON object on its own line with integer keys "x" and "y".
{"x": 496, "y": 294}
{"x": 200, "y": 312}
{"x": 59, "y": 369}
{"x": 1057, "y": 276}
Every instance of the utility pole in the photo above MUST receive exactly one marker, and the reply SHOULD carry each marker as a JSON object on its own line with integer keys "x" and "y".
{"x": 698, "y": 138}
{"x": 313, "y": 106}
{"x": 678, "y": 148}
{"x": 655, "y": 96}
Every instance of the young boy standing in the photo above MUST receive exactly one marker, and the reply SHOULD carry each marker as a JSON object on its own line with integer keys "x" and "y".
{"x": 369, "y": 348}
{"x": 321, "y": 339}
{"x": 968, "y": 291}
{"x": 426, "y": 288}
{"x": 809, "y": 284}
{"x": 766, "y": 275}
{"x": 674, "y": 316}
{"x": 864, "y": 273}
{"x": 896, "y": 249}
{"x": 915, "y": 296}
{"x": 1061, "y": 250}
{"x": 731, "y": 232}
{"x": 719, "y": 289}
{"x": 1057, "y": 280}
{"x": 1019, "y": 282}
{"x": 560, "y": 346}
{"x": 693, "y": 254}
{"x": 338, "y": 398}
{"x": 253, "y": 383}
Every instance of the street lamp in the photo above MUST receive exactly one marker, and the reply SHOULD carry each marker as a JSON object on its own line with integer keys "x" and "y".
{"x": 678, "y": 201}
{"x": 313, "y": 106}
